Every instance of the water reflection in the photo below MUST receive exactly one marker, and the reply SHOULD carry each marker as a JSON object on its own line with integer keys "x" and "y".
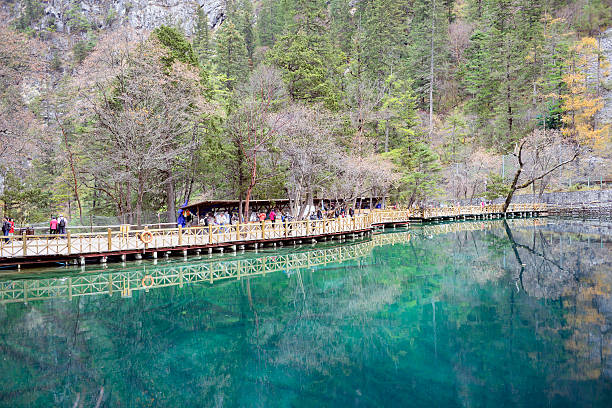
{"x": 473, "y": 314}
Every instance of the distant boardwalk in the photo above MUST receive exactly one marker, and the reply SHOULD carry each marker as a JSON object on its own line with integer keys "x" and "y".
{"x": 49, "y": 248}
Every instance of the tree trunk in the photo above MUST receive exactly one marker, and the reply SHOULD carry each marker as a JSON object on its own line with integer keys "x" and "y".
{"x": 431, "y": 66}
{"x": 139, "y": 200}
{"x": 72, "y": 169}
{"x": 387, "y": 136}
{"x": 512, "y": 187}
{"x": 170, "y": 198}
{"x": 251, "y": 186}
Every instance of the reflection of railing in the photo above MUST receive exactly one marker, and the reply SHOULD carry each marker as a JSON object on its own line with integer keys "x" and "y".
{"x": 125, "y": 281}
{"x": 110, "y": 242}
{"x": 436, "y": 229}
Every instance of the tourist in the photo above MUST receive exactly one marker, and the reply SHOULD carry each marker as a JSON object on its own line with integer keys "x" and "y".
{"x": 188, "y": 218}
{"x": 180, "y": 221}
{"x": 53, "y": 225}
{"x": 319, "y": 214}
{"x": 11, "y": 228}
{"x": 272, "y": 216}
{"x": 253, "y": 217}
{"x": 6, "y": 226}
{"x": 262, "y": 217}
{"x": 61, "y": 225}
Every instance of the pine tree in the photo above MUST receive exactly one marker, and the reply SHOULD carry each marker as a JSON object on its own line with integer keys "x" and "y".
{"x": 306, "y": 57}
{"x": 201, "y": 39}
{"x": 272, "y": 20}
{"x": 427, "y": 50}
{"x": 383, "y": 27}
{"x": 503, "y": 70}
{"x": 245, "y": 19}
{"x": 231, "y": 57}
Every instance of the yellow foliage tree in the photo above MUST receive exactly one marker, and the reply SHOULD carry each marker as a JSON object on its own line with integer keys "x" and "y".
{"x": 582, "y": 102}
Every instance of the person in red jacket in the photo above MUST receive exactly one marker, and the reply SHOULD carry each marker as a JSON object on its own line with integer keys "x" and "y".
{"x": 272, "y": 216}
{"x": 12, "y": 229}
{"x": 53, "y": 226}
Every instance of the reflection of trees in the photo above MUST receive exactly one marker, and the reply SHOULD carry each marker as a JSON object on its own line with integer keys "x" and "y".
{"x": 573, "y": 271}
{"x": 449, "y": 313}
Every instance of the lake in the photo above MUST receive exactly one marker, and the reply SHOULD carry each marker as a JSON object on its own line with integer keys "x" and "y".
{"x": 472, "y": 314}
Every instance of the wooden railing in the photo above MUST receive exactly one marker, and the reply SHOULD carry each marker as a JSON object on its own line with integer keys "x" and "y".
{"x": 390, "y": 216}
{"x": 164, "y": 239}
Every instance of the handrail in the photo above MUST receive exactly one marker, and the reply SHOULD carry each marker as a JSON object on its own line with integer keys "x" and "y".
{"x": 110, "y": 241}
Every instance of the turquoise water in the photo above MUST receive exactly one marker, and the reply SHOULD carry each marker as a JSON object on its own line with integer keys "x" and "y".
{"x": 455, "y": 315}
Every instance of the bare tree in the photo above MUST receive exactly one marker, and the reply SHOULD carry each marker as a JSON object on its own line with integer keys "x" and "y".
{"x": 146, "y": 114}
{"x": 255, "y": 125}
{"x": 532, "y": 154}
{"x": 311, "y": 156}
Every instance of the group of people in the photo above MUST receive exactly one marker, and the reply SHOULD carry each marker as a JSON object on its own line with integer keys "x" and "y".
{"x": 8, "y": 228}
{"x": 58, "y": 225}
{"x": 187, "y": 219}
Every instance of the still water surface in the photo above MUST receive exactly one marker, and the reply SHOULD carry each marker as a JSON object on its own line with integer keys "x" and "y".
{"x": 454, "y": 315}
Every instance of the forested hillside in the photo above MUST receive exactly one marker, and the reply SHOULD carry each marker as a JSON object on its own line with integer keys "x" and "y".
{"x": 126, "y": 109}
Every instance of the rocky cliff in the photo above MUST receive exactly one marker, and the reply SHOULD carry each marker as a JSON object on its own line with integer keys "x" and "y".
{"x": 69, "y": 15}
{"x": 605, "y": 43}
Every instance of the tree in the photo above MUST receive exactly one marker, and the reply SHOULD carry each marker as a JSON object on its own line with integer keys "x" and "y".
{"x": 427, "y": 50}
{"x": 201, "y": 39}
{"x": 245, "y": 20}
{"x": 254, "y": 125}
{"x": 19, "y": 127}
{"x": 310, "y": 154}
{"x": 532, "y": 154}
{"x": 582, "y": 102}
{"x": 146, "y": 117}
{"x": 418, "y": 167}
{"x": 231, "y": 57}
{"x": 306, "y": 58}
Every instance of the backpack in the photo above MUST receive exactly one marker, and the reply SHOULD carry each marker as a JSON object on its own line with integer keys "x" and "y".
{"x": 62, "y": 223}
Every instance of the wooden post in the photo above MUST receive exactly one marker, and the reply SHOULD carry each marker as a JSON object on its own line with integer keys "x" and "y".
{"x": 110, "y": 238}
{"x": 68, "y": 240}
{"x": 263, "y": 229}
{"x": 180, "y": 235}
{"x": 25, "y": 244}
{"x": 238, "y": 231}
{"x": 307, "y": 227}
{"x": 286, "y": 228}
{"x": 210, "y": 240}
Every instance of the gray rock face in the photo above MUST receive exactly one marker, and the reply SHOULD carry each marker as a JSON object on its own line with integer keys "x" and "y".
{"x": 605, "y": 115}
{"x": 68, "y": 15}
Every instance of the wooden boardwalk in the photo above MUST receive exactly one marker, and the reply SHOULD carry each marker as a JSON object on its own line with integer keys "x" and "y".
{"x": 23, "y": 250}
